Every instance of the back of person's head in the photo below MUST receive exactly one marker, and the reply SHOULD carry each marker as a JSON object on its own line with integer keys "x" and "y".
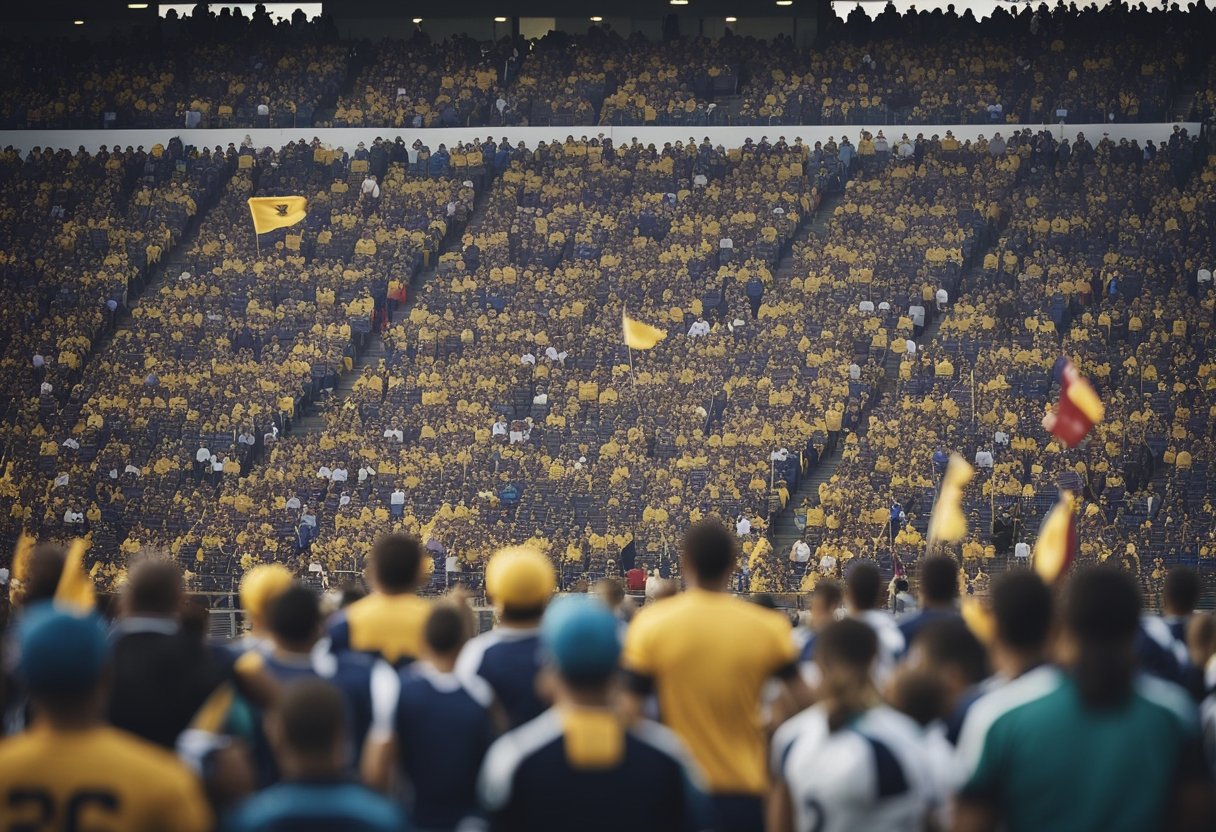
{"x": 581, "y": 639}
{"x": 396, "y": 561}
{"x": 1102, "y": 617}
{"x": 350, "y": 593}
{"x": 308, "y": 721}
{"x": 43, "y": 573}
{"x": 710, "y": 550}
{"x": 949, "y": 646}
{"x": 611, "y": 591}
{"x": 938, "y": 580}
{"x": 294, "y": 618}
{"x": 154, "y": 589}
{"x": 1201, "y": 638}
{"x": 260, "y": 586}
{"x": 1022, "y": 610}
{"x": 63, "y": 656}
{"x": 520, "y": 580}
{"x": 827, "y": 594}
{"x": 1180, "y": 593}
{"x": 845, "y": 651}
{"x": 920, "y": 694}
{"x": 446, "y": 629}
{"x": 864, "y": 584}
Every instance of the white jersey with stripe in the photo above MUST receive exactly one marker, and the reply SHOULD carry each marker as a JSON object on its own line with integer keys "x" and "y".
{"x": 872, "y": 774}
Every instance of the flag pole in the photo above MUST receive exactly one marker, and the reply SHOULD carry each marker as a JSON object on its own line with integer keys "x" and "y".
{"x": 257, "y": 242}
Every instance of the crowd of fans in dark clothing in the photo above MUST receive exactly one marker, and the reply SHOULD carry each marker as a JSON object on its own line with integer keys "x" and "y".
{"x": 1023, "y": 65}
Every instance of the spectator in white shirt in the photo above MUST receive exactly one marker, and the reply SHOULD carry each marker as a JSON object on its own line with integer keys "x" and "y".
{"x": 499, "y": 428}
{"x": 854, "y": 371}
{"x": 340, "y": 475}
{"x": 743, "y": 526}
{"x": 943, "y": 298}
{"x": 394, "y": 433}
{"x": 1022, "y": 550}
{"x": 70, "y": 442}
{"x": 801, "y": 552}
{"x": 370, "y": 188}
{"x": 397, "y": 498}
{"x": 983, "y": 459}
{"x": 699, "y": 327}
{"x": 46, "y": 389}
{"x": 324, "y": 472}
{"x": 556, "y": 357}
{"x": 917, "y": 313}
{"x": 293, "y": 504}
{"x": 1000, "y": 438}
{"x": 528, "y": 358}
{"x": 827, "y": 565}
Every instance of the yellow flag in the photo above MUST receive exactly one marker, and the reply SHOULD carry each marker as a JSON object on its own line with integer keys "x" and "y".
{"x": 75, "y": 587}
{"x": 640, "y": 336}
{"x": 22, "y": 553}
{"x": 271, "y": 212}
{"x": 948, "y": 523}
{"x": 978, "y": 619}
{"x": 1057, "y": 542}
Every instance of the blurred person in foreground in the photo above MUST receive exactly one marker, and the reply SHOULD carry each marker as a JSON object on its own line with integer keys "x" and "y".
{"x": 162, "y": 673}
{"x": 389, "y": 621}
{"x": 849, "y": 763}
{"x": 70, "y": 770}
{"x": 259, "y": 587}
{"x": 1090, "y": 743}
{"x": 579, "y": 764}
{"x": 707, "y": 655}
{"x": 435, "y": 730}
{"x": 519, "y": 581}
{"x": 308, "y": 731}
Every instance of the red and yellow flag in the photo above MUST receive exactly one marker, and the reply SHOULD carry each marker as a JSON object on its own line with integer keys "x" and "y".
{"x": 1078, "y": 410}
{"x": 1057, "y": 543}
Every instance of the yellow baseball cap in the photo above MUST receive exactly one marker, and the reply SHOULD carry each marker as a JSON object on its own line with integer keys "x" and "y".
{"x": 519, "y": 576}
{"x": 261, "y": 585}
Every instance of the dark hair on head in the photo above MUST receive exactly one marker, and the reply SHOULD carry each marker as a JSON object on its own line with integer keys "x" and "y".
{"x": 828, "y": 592}
{"x": 350, "y": 593}
{"x": 901, "y": 584}
{"x": 920, "y": 694}
{"x": 1022, "y": 609}
{"x": 446, "y": 629}
{"x": 43, "y": 573}
{"x": 939, "y": 579}
{"x": 1181, "y": 590}
{"x": 295, "y": 616}
{"x": 950, "y": 642}
{"x": 155, "y": 588}
{"x": 865, "y": 585}
{"x": 395, "y": 562}
{"x": 847, "y": 642}
{"x": 312, "y": 715}
{"x": 1102, "y": 611}
{"x": 612, "y": 589}
{"x": 710, "y": 549}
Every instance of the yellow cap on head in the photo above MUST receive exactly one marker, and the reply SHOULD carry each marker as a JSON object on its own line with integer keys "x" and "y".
{"x": 261, "y": 585}
{"x": 520, "y": 577}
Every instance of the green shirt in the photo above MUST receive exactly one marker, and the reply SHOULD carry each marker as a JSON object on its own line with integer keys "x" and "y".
{"x": 1048, "y": 763}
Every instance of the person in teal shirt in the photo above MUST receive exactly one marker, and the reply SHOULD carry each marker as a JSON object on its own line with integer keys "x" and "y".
{"x": 1089, "y": 744}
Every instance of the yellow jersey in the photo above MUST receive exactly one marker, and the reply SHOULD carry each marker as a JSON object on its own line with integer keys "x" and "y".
{"x": 100, "y": 779}
{"x": 709, "y": 654}
{"x": 390, "y": 625}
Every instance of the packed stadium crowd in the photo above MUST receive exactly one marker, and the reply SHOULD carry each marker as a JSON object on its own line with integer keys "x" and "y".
{"x": 1054, "y": 706}
{"x": 1025, "y": 64}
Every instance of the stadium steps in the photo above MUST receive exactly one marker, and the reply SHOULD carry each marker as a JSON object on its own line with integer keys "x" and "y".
{"x": 314, "y": 422}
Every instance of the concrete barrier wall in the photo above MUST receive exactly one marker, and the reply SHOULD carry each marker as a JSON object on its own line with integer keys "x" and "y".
{"x": 349, "y": 137}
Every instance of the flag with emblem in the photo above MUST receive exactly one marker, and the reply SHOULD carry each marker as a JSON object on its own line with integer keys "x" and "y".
{"x": 271, "y": 212}
{"x": 640, "y": 336}
{"x": 1078, "y": 410}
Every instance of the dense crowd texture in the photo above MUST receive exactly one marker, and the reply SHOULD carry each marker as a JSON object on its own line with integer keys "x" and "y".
{"x": 1050, "y": 705}
{"x": 1025, "y": 65}
{"x": 505, "y": 406}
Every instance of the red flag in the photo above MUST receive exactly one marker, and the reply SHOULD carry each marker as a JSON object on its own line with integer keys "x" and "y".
{"x": 1078, "y": 410}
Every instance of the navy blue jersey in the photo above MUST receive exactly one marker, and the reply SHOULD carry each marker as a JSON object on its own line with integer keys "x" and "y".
{"x": 443, "y": 728}
{"x": 508, "y": 659}
{"x": 911, "y": 625}
{"x": 530, "y": 782}
{"x": 317, "y": 807}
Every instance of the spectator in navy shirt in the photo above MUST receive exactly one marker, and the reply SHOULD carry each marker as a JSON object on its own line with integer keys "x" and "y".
{"x": 937, "y": 593}
{"x": 438, "y": 729}
{"x": 520, "y": 582}
{"x": 578, "y": 759}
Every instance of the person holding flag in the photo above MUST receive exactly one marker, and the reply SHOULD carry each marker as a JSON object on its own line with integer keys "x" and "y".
{"x": 272, "y": 212}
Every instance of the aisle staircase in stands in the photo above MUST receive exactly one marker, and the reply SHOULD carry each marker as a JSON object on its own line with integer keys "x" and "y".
{"x": 313, "y": 422}
{"x": 783, "y": 531}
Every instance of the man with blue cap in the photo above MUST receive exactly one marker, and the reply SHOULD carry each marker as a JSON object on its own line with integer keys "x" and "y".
{"x": 562, "y": 765}
{"x": 70, "y": 770}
